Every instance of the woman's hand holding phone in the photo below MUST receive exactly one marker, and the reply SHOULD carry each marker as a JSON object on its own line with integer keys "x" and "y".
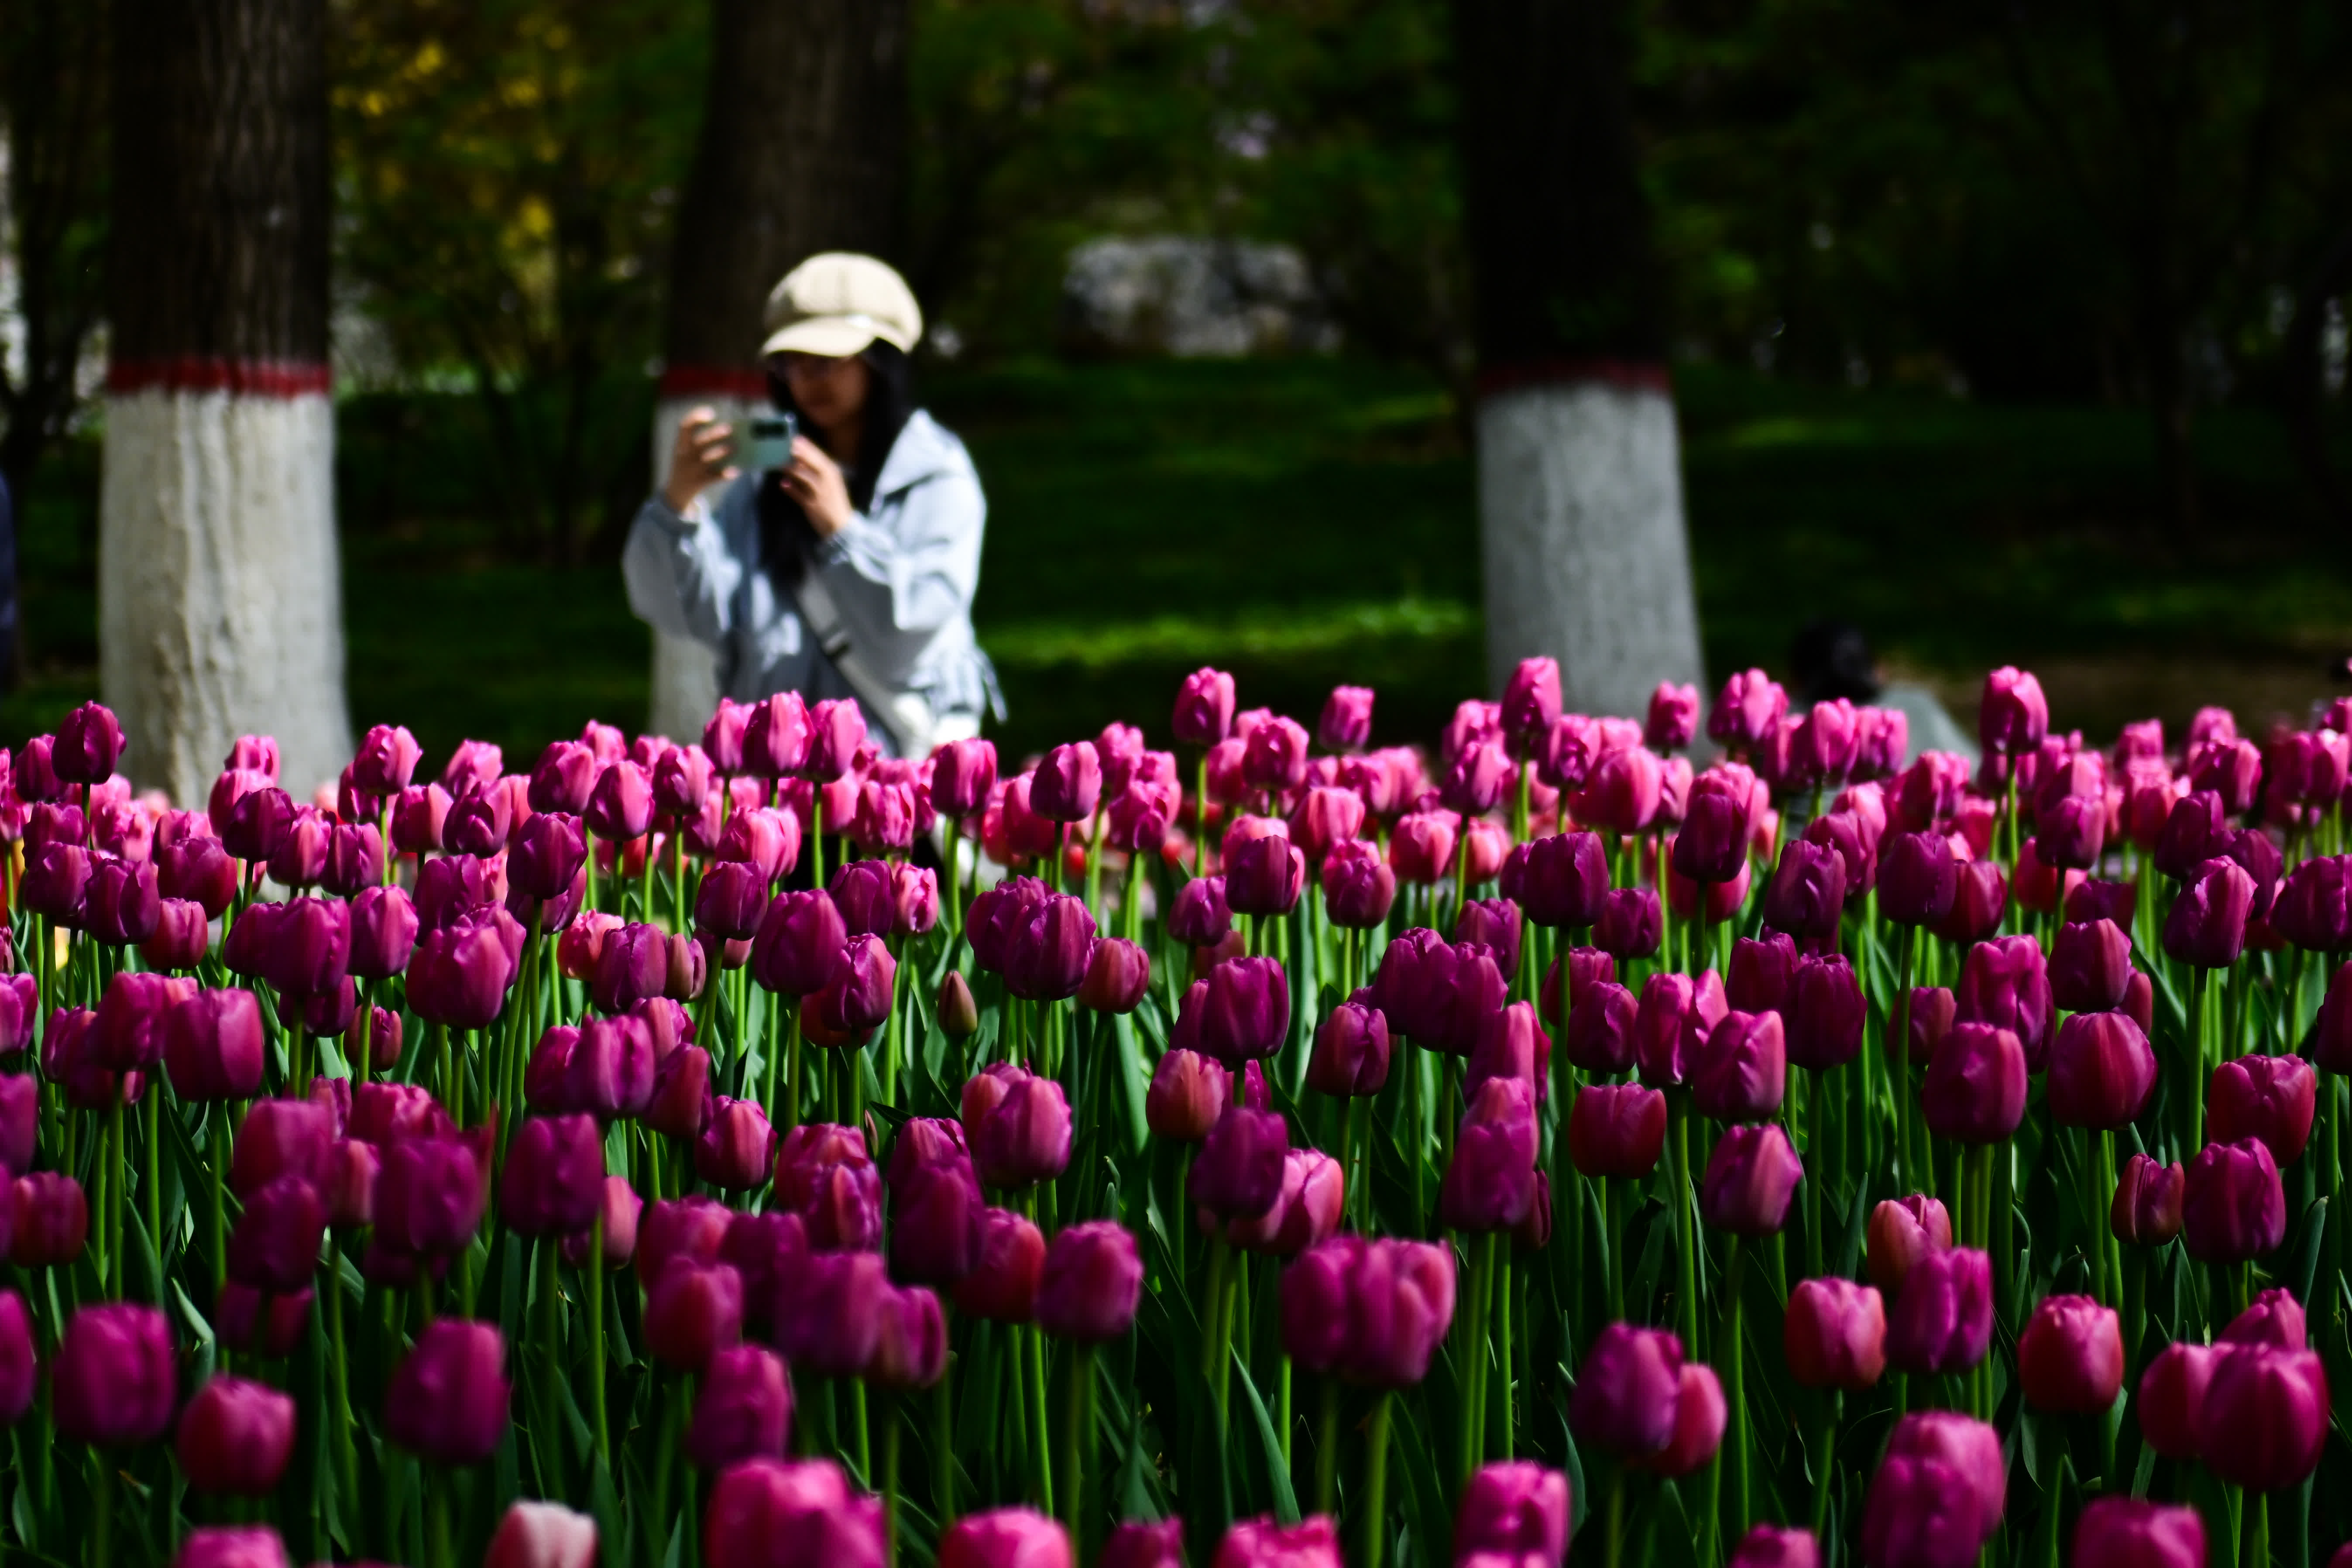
{"x": 815, "y": 481}
{"x": 698, "y": 459}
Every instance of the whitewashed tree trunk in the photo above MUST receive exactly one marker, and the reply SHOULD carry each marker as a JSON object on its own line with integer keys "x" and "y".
{"x": 684, "y": 672}
{"x": 220, "y": 599}
{"x": 220, "y": 594}
{"x": 1587, "y": 559}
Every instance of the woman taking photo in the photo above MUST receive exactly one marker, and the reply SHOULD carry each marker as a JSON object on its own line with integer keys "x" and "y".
{"x": 848, "y": 568}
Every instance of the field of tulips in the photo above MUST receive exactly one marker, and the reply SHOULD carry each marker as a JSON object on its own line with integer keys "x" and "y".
{"x": 767, "y": 1152}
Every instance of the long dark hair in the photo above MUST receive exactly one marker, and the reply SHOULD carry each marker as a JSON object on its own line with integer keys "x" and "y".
{"x": 787, "y": 538}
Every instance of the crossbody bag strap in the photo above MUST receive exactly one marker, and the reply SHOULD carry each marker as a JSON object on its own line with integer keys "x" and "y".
{"x": 905, "y": 714}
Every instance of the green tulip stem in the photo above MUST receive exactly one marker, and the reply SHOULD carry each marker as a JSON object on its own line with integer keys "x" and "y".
{"x": 1898, "y": 1057}
{"x": 1825, "y": 1461}
{"x": 1077, "y": 1440}
{"x": 943, "y": 1446}
{"x": 1685, "y": 1233}
{"x": 1327, "y": 1448}
{"x": 1376, "y": 1480}
{"x": 1470, "y": 1451}
{"x": 1615, "y": 1541}
{"x": 1041, "y": 1443}
{"x": 1731, "y": 1356}
{"x": 889, "y": 1480}
{"x": 2199, "y": 983}
{"x": 950, "y": 881}
{"x": 1817, "y": 1148}
{"x": 592, "y": 1279}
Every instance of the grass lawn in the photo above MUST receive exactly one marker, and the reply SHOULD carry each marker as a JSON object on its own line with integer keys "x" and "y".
{"x": 1308, "y": 521}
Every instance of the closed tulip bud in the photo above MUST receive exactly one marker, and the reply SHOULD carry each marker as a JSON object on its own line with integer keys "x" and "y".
{"x": 2232, "y": 1206}
{"x": 1834, "y": 1334}
{"x": 1711, "y": 847}
{"x": 1750, "y": 1181}
{"x": 1699, "y": 1419}
{"x": 113, "y": 1381}
{"x": 2172, "y": 1397}
{"x": 461, "y": 973}
{"x": 49, "y": 1220}
{"x": 1942, "y": 1321}
{"x": 258, "y": 823}
{"x": 2004, "y": 984}
{"x": 447, "y": 1402}
{"x": 2313, "y": 906}
{"x": 1421, "y": 849}
{"x": 1372, "y": 1311}
{"x": 2145, "y": 1211}
{"x": 1934, "y": 1010}
{"x": 798, "y": 945}
{"x": 542, "y": 1535}
{"x": 1980, "y": 895}
{"x": 1019, "y": 1125}
{"x": 1921, "y": 1513}
{"x": 1436, "y": 994}
{"x": 20, "y": 1113}
{"x": 621, "y": 806}
{"x": 1238, "y": 1175}
{"x": 692, "y": 1311}
{"x": 56, "y": 883}
{"x": 278, "y": 1138}
{"x": 1489, "y": 1183}
{"x": 1918, "y": 878}
{"x": 235, "y": 1437}
{"x": 1188, "y": 1093}
{"x": 863, "y": 893}
{"x": 2070, "y": 1356}
{"x": 1627, "y": 1391}
{"x": 2207, "y": 926}
{"x": 1672, "y": 718}
{"x": 1244, "y": 1010}
{"x": 1005, "y": 1538}
{"x": 760, "y": 1504}
{"x": 1631, "y": 923}
{"x": 1677, "y": 1014}
{"x": 744, "y": 1410}
{"x": 1201, "y": 917}
{"x": 1976, "y": 1084}
{"x": 1359, "y": 887}
{"x": 828, "y": 1317}
{"x": 20, "y": 1005}
{"x": 2125, "y": 1533}
{"x": 1771, "y": 1546}
{"x": 1565, "y": 880}
{"x": 736, "y": 1147}
{"x": 2102, "y": 1071}
{"x": 386, "y": 1113}
{"x": 2264, "y": 1416}
{"x": 1491, "y": 924}
{"x": 386, "y": 760}
{"x": 430, "y": 1194}
{"x": 1760, "y": 973}
{"x": 123, "y": 904}
{"x": 1516, "y": 1510}
{"x": 129, "y": 1033}
{"x": 1138, "y": 1544}
{"x": 1068, "y": 782}
{"x": 1807, "y": 894}
{"x": 1511, "y": 1044}
{"x": 1092, "y": 1281}
{"x": 1621, "y": 791}
{"x": 2090, "y": 966}
{"x": 2267, "y": 1098}
{"x": 823, "y": 1176}
{"x": 274, "y": 1246}
{"x": 384, "y": 927}
{"x": 1002, "y": 1286}
{"x": 1824, "y": 1013}
{"x": 179, "y": 938}
{"x": 1601, "y": 1034}
{"x": 632, "y": 964}
{"x": 963, "y": 773}
{"x": 858, "y": 999}
{"x": 2274, "y": 1318}
{"x": 554, "y": 1176}
{"x": 1265, "y": 877}
{"x": 1571, "y": 976}
{"x": 1350, "y": 1057}
{"x": 89, "y": 743}
{"x": 310, "y": 946}
{"x": 199, "y": 871}
{"x": 346, "y": 1182}
{"x": 1617, "y": 1130}
{"x": 1742, "y": 1070}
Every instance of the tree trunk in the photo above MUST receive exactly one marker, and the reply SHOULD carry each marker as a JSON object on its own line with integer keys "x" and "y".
{"x": 220, "y": 601}
{"x": 1579, "y": 480}
{"x": 802, "y": 150}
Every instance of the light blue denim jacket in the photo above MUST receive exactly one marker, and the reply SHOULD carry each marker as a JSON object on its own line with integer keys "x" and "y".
{"x": 902, "y": 574}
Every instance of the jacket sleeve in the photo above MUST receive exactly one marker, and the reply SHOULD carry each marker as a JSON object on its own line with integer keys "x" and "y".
{"x": 901, "y": 576}
{"x": 681, "y": 576}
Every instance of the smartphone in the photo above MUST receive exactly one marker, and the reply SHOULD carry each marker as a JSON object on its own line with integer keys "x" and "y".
{"x": 771, "y": 443}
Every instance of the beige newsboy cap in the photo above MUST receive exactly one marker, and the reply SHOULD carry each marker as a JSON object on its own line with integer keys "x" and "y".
{"x": 837, "y": 303}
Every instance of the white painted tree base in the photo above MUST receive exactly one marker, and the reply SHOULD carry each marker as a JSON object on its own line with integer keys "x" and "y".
{"x": 219, "y": 587}
{"x": 685, "y": 673}
{"x": 1580, "y": 514}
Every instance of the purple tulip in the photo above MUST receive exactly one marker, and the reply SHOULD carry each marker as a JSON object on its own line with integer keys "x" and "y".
{"x": 2125, "y": 1533}
{"x": 1676, "y": 1016}
{"x": 2264, "y": 1416}
{"x": 1517, "y": 1510}
{"x": 1627, "y": 1391}
{"x": 1238, "y": 1173}
{"x": 621, "y": 806}
{"x": 2267, "y": 1098}
{"x": 447, "y": 1402}
{"x": 1264, "y": 876}
{"x": 1750, "y": 1181}
{"x": 1600, "y": 1035}
{"x": 1490, "y": 1182}
{"x": 1942, "y": 1321}
{"x": 1046, "y": 958}
{"x": 1834, "y": 1334}
{"x": 692, "y": 1311}
{"x": 1771, "y": 1546}
{"x": 798, "y": 943}
{"x": 1068, "y": 784}
{"x": 1742, "y": 1070}
{"x": 461, "y": 973}
{"x": 744, "y": 1410}
{"x": 1564, "y": 881}
{"x": 274, "y": 1246}
{"x": 828, "y": 1317}
{"x": 1118, "y": 975}
{"x": 792, "y": 1515}
{"x": 1092, "y": 1282}
{"x": 235, "y": 1437}
{"x": 1824, "y": 1013}
{"x": 1806, "y": 895}
{"x": 737, "y": 1146}
{"x": 1976, "y": 1084}
{"x": 2070, "y": 1356}
{"x": 2102, "y": 1071}
{"x": 554, "y": 1176}
{"x": 1371, "y": 1311}
{"x": 1188, "y": 1094}
{"x": 113, "y": 1381}
{"x": 1918, "y": 878}
{"x": 430, "y": 1195}
{"x": 2232, "y": 1206}
{"x": 2207, "y": 926}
